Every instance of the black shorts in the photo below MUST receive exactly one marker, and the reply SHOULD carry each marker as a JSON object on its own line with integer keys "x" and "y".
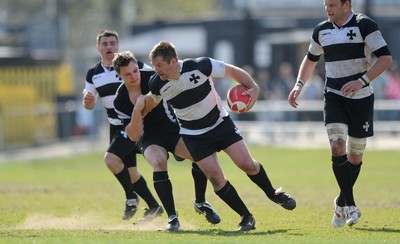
{"x": 114, "y": 130}
{"x": 124, "y": 148}
{"x": 221, "y": 137}
{"x": 358, "y": 114}
{"x": 166, "y": 136}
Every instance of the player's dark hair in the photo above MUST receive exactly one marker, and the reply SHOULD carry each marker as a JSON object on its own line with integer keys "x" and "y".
{"x": 122, "y": 59}
{"x": 164, "y": 49}
{"x": 344, "y": 1}
{"x": 106, "y": 33}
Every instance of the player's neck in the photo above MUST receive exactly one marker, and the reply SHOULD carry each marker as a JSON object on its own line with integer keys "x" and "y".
{"x": 176, "y": 74}
{"x": 106, "y": 63}
{"x": 175, "y": 77}
{"x": 344, "y": 20}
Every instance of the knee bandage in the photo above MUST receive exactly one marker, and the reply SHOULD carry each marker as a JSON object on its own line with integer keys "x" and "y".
{"x": 356, "y": 145}
{"x": 337, "y": 131}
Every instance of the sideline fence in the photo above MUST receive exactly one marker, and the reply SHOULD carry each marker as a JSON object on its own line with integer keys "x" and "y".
{"x": 269, "y": 122}
{"x": 28, "y": 102}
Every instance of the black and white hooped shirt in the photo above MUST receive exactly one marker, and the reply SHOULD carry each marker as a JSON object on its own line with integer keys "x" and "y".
{"x": 104, "y": 83}
{"x": 348, "y": 51}
{"x": 160, "y": 116}
{"x": 196, "y": 103}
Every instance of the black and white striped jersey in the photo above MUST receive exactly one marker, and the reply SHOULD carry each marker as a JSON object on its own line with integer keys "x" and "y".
{"x": 161, "y": 115}
{"x": 196, "y": 103}
{"x": 349, "y": 51}
{"x": 104, "y": 83}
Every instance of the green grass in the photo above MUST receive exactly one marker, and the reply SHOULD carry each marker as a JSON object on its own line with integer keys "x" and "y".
{"x": 77, "y": 200}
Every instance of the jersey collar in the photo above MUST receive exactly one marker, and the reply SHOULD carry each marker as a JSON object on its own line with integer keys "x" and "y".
{"x": 345, "y": 23}
{"x": 107, "y": 68}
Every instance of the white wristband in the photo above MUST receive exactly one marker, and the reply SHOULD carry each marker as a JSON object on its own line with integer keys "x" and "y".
{"x": 364, "y": 80}
{"x": 299, "y": 83}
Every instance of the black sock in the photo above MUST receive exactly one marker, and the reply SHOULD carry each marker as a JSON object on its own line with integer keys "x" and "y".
{"x": 343, "y": 174}
{"x": 261, "y": 179}
{"x": 124, "y": 179}
{"x": 163, "y": 187}
{"x": 230, "y": 196}
{"x": 200, "y": 183}
{"x": 140, "y": 187}
{"x": 355, "y": 171}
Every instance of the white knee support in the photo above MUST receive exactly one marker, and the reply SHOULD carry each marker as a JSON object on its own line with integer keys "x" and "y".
{"x": 337, "y": 131}
{"x": 356, "y": 145}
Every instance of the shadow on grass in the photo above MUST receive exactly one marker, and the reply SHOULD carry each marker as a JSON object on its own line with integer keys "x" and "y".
{"x": 213, "y": 232}
{"x": 382, "y": 230}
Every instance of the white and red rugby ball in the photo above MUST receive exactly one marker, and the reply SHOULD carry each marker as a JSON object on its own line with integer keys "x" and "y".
{"x": 237, "y": 102}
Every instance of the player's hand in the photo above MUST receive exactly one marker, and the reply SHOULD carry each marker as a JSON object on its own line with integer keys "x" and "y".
{"x": 351, "y": 88}
{"x": 253, "y": 92}
{"x": 88, "y": 100}
{"x": 293, "y": 96}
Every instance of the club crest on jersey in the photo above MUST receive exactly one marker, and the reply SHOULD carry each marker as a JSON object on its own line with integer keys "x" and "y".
{"x": 351, "y": 34}
{"x": 194, "y": 78}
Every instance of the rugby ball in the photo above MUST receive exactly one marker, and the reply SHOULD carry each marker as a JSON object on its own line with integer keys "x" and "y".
{"x": 237, "y": 102}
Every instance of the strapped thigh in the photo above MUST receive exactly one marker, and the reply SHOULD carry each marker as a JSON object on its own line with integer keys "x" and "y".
{"x": 356, "y": 145}
{"x": 337, "y": 131}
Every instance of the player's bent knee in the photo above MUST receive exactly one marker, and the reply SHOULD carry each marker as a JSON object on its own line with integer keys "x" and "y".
{"x": 338, "y": 147}
{"x": 111, "y": 160}
{"x": 158, "y": 164}
{"x": 217, "y": 182}
{"x": 355, "y": 159}
{"x": 113, "y": 163}
{"x": 356, "y": 145}
{"x": 250, "y": 167}
{"x": 216, "y": 177}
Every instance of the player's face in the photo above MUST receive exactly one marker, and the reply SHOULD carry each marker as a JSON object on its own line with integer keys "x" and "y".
{"x": 107, "y": 47}
{"x": 130, "y": 74}
{"x": 336, "y": 12}
{"x": 164, "y": 69}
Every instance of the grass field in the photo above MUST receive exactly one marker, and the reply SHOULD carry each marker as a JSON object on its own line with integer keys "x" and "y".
{"x": 77, "y": 200}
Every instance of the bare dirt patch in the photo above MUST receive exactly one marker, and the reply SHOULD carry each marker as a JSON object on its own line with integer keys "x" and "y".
{"x": 87, "y": 222}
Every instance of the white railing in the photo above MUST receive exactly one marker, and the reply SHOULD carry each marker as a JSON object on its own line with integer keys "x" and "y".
{"x": 268, "y": 122}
